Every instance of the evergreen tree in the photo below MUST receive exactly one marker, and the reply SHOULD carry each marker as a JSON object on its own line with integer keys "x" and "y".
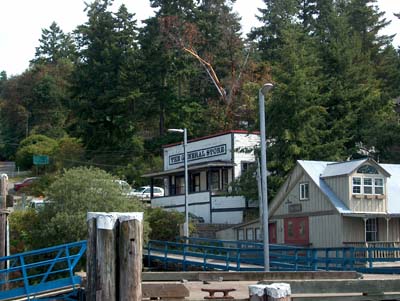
{"x": 326, "y": 58}
{"x": 276, "y": 17}
{"x": 168, "y": 70}
{"x": 106, "y": 83}
{"x": 54, "y": 45}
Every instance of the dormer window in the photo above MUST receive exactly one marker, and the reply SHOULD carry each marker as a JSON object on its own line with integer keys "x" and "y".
{"x": 368, "y": 170}
{"x": 368, "y": 185}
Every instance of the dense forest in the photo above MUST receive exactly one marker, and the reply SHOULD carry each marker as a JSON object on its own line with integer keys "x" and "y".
{"x": 104, "y": 94}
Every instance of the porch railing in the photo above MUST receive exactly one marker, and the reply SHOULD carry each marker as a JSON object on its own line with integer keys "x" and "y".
{"x": 376, "y": 249}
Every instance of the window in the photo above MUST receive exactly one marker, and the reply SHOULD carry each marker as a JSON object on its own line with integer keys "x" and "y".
{"x": 258, "y": 234}
{"x": 371, "y": 229}
{"x": 240, "y": 234}
{"x": 213, "y": 178}
{"x": 249, "y": 234}
{"x": 356, "y": 185}
{"x": 195, "y": 183}
{"x": 367, "y": 169}
{"x": 179, "y": 185}
{"x": 245, "y": 166}
{"x": 225, "y": 179}
{"x": 368, "y": 185}
{"x": 304, "y": 191}
{"x": 290, "y": 230}
{"x": 378, "y": 185}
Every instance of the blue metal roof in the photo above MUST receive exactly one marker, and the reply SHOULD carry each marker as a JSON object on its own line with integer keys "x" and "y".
{"x": 341, "y": 168}
{"x": 315, "y": 169}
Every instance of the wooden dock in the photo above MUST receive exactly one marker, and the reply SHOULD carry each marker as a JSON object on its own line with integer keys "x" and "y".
{"x": 305, "y": 286}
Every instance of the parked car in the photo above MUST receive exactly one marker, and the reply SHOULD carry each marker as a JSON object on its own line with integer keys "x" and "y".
{"x": 144, "y": 192}
{"x": 123, "y": 185}
{"x": 38, "y": 203}
{"x": 25, "y": 183}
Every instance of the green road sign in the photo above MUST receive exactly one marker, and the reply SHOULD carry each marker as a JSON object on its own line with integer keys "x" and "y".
{"x": 40, "y": 160}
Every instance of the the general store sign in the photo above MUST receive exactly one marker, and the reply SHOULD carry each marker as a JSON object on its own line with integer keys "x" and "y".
{"x": 209, "y": 152}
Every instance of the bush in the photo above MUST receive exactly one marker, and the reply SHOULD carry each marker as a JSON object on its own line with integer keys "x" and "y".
{"x": 34, "y": 145}
{"x": 23, "y": 230}
{"x": 164, "y": 224}
{"x": 72, "y": 195}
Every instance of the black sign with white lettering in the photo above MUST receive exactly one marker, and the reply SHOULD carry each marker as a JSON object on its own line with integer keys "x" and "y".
{"x": 199, "y": 154}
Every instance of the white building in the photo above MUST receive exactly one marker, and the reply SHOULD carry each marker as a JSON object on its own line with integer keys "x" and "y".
{"x": 213, "y": 162}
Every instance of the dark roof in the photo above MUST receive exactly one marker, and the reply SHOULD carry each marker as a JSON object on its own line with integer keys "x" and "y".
{"x": 214, "y": 135}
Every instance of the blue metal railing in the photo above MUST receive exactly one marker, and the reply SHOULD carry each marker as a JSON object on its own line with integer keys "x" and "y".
{"x": 31, "y": 273}
{"x": 209, "y": 257}
{"x": 244, "y": 255}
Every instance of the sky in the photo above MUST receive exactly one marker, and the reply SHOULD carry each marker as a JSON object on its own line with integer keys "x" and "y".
{"x": 22, "y": 21}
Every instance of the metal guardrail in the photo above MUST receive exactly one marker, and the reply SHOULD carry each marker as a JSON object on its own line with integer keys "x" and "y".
{"x": 248, "y": 256}
{"x": 209, "y": 257}
{"x": 30, "y": 274}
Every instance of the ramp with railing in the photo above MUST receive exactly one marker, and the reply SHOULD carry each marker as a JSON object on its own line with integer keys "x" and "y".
{"x": 41, "y": 273}
{"x": 50, "y": 272}
{"x": 211, "y": 254}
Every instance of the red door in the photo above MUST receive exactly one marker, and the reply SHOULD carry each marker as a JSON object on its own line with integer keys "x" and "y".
{"x": 296, "y": 231}
{"x": 272, "y": 233}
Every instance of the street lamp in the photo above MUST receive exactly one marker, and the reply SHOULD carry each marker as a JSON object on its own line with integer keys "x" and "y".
{"x": 186, "y": 224}
{"x": 264, "y": 193}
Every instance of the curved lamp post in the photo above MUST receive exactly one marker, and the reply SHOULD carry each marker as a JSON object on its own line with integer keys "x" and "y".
{"x": 264, "y": 193}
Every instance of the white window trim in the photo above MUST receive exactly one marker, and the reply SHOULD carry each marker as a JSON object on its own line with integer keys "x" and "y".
{"x": 301, "y": 194}
{"x": 362, "y": 190}
{"x": 356, "y": 185}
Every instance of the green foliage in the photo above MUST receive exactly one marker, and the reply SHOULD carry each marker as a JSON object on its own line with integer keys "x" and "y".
{"x": 335, "y": 77}
{"x": 246, "y": 184}
{"x": 105, "y": 81}
{"x": 327, "y": 63}
{"x": 164, "y": 224}
{"x": 54, "y": 46}
{"x": 72, "y": 195}
{"x": 23, "y": 225}
{"x": 39, "y": 188}
{"x": 69, "y": 153}
{"x": 34, "y": 145}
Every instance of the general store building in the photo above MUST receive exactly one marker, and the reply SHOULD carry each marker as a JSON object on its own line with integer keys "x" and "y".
{"x": 213, "y": 163}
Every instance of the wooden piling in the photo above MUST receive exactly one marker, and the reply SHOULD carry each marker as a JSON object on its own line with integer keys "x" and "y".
{"x": 91, "y": 260}
{"x": 4, "y": 247}
{"x": 114, "y": 252}
{"x": 130, "y": 260}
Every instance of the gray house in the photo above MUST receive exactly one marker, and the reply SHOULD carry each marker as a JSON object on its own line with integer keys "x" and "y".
{"x": 331, "y": 204}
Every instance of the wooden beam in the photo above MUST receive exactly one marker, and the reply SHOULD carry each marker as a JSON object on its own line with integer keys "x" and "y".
{"x": 165, "y": 290}
{"x": 246, "y": 276}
